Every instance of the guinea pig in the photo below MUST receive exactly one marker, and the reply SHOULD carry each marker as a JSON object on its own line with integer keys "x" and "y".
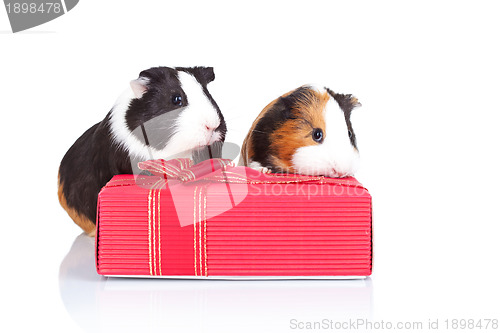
{"x": 165, "y": 113}
{"x": 306, "y": 131}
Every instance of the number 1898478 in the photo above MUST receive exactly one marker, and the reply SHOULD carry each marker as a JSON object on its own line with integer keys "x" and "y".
{"x": 34, "y": 8}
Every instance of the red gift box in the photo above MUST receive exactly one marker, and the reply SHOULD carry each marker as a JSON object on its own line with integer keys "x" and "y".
{"x": 215, "y": 220}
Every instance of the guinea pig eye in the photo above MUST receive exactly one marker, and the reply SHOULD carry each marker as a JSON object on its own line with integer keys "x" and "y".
{"x": 350, "y": 134}
{"x": 177, "y": 100}
{"x": 317, "y": 135}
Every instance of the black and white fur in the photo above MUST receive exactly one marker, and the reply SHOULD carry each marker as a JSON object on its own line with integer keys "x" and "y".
{"x": 165, "y": 113}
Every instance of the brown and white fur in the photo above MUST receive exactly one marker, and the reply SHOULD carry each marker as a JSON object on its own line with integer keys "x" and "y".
{"x": 306, "y": 131}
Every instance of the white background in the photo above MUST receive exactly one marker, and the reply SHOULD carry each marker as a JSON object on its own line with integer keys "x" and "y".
{"x": 427, "y": 74}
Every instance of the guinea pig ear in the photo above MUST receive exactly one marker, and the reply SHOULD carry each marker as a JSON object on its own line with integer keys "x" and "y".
{"x": 206, "y": 74}
{"x": 139, "y": 86}
{"x": 346, "y": 101}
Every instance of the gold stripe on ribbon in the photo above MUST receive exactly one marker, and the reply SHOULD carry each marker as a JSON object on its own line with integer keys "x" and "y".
{"x": 205, "y": 227}
{"x": 149, "y": 233}
{"x": 194, "y": 230}
{"x": 159, "y": 233}
{"x": 199, "y": 239}
{"x": 154, "y": 231}
{"x": 200, "y": 231}
{"x": 152, "y": 228}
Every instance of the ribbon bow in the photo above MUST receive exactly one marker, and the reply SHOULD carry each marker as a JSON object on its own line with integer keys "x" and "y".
{"x": 182, "y": 169}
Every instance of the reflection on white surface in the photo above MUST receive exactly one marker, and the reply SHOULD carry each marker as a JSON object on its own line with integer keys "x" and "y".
{"x": 98, "y": 303}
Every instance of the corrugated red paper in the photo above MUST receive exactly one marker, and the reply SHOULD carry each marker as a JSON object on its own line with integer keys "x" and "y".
{"x": 233, "y": 222}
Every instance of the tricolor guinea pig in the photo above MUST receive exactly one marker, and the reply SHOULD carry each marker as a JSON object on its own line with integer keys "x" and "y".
{"x": 166, "y": 112}
{"x": 306, "y": 131}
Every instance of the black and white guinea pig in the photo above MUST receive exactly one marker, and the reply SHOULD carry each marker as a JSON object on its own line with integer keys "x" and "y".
{"x": 306, "y": 131}
{"x": 165, "y": 113}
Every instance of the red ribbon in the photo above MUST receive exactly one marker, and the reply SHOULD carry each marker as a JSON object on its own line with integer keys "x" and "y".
{"x": 182, "y": 169}
{"x": 224, "y": 170}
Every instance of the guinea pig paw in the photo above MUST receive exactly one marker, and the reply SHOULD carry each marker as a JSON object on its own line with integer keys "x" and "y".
{"x": 257, "y": 166}
{"x": 265, "y": 170}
